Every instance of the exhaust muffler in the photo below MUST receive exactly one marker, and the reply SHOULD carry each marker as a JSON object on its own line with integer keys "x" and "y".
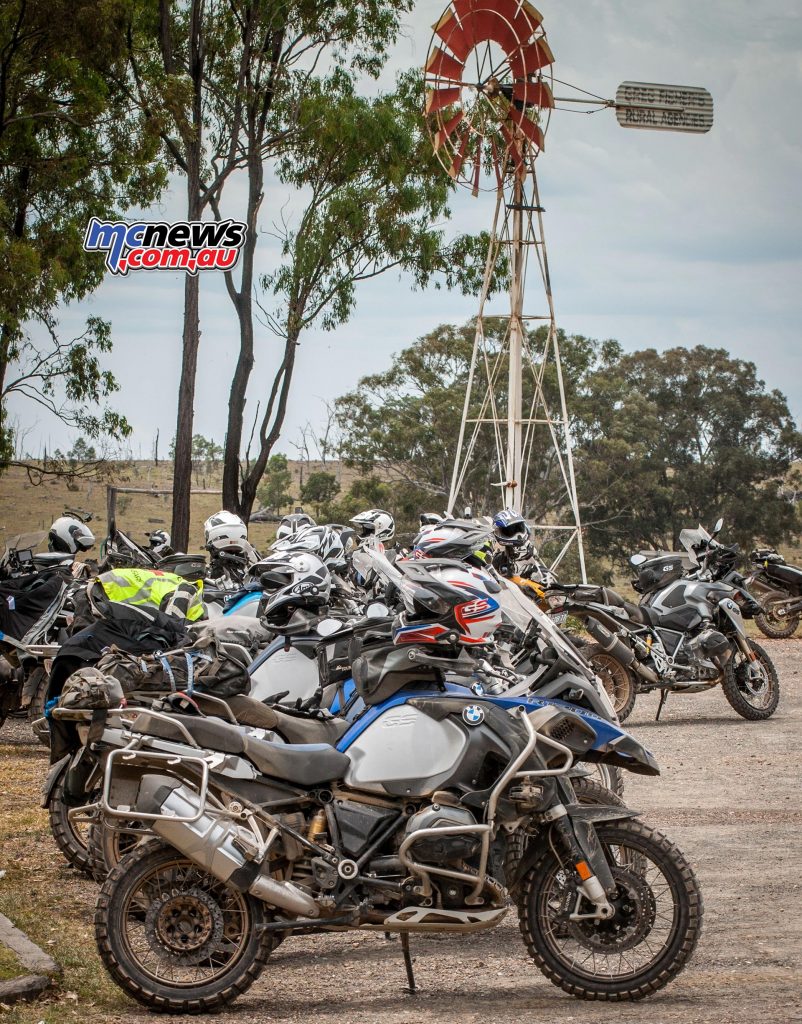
{"x": 216, "y": 845}
{"x": 617, "y": 649}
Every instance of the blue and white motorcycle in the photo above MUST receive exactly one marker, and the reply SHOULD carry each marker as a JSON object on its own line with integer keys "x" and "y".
{"x": 400, "y": 826}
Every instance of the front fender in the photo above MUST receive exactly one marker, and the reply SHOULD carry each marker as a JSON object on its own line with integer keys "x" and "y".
{"x": 729, "y": 608}
{"x": 583, "y": 817}
{"x": 53, "y": 776}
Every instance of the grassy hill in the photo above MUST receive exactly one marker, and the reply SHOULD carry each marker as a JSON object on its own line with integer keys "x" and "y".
{"x": 27, "y": 506}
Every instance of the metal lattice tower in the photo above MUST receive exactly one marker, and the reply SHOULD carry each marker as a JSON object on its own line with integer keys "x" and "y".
{"x": 518, "y": 228}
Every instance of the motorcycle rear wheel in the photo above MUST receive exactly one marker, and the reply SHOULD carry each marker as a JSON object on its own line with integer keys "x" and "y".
{"x": 769, "y": 623}
{"x": 71, "y": 837}
{"x": 658, "y": 904}
{"x": 618, "y": 681}
{"x": 174, "y": 937}
{"x": 755, "y": 703}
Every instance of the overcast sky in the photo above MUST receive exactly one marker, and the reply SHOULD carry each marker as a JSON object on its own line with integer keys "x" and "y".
{"x": 654, "y": 239}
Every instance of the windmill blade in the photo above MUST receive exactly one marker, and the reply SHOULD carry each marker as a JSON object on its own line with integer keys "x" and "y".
{"x": 531, "y": 58}
{"x": 439, "y": 99}
{"x": 459, "y": 156}
{"x": 514, "y": 151}
{"x": 531, "y": 130}
{"x": 500, "y": 24}
{"x": 441, "y": 65}
{"x": 532, "y": 14}
{"x": 454, "y": 36}
{"x": 477, "y": 171}
{"x": 447, "y": 130}
{"x": 536, "y": 94}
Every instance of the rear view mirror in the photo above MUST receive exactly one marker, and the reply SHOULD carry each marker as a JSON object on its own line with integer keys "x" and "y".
{"x": 718, "y": 527}
{"x": 328, "y": 626}
{"x": 377, "y": 610}
{"x": 638, "y": 560}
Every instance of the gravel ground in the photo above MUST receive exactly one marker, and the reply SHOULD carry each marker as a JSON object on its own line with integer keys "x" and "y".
{"x": 729, "y": 795}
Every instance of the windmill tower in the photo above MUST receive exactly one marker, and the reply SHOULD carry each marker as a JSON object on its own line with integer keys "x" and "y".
{"x": 489, "y": 99}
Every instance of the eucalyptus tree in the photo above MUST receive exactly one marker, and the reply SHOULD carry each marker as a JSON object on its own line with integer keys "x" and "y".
{"x": 72, "y": 147}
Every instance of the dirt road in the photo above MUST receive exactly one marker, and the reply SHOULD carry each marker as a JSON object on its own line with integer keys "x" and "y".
{"x": 730, "y": 796}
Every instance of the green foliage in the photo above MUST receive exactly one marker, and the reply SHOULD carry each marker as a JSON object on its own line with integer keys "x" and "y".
{"x": 376, "y": 188}
{"x": 71, "y": 147}
{"x": 274, "y": 492}
{"x": 82, "y": 451}
{"x": 674, "y": 438}
{"x": 319, "y": 490}
{"x": 661, "y": 440}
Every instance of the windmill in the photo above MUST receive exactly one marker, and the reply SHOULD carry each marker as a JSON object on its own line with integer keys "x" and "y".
{"x": 490, "y": 93}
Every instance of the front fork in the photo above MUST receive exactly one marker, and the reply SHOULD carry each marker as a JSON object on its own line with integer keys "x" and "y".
{"x": 587, "y": 857}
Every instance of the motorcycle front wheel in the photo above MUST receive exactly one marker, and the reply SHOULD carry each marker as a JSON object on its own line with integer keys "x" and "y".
{"x": 769, "y": 620}
{"x": 651, "y": 937}
{"x": 174, "y": 937}
{"x": 753, "y": 694}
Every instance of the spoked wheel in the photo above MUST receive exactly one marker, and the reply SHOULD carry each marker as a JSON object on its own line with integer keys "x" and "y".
{"x": 752, "y": 687}
{"x": 607, "y": 776}
{"x": 174, "y": 937}
{"x": 616, "y": 678}
{"x": 72, "y": 837}
{"x": 773, "y": 621}
{"x": 657, "y": 921}
{"x": 108, "y": 846}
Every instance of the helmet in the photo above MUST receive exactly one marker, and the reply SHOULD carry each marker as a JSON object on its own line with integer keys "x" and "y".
{"x": 159, "y": 541}
{"x": 375, "y": 523}
{"x": 430, "y": 518}
{"x": 302, "y": 580}
{"x": 454, "y": 538}
{"x": 292, "y": 523}
{"x": 447, "y": 604}
{"x": 322, "y": 541}
{"x": 225, "y": 531}
{"x": 69, "y": 534}
{"x": 510, "y": 529}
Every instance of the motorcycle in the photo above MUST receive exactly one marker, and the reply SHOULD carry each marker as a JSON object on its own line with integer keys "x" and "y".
{"x": 401, "y": 827}
{"x": 778, "y": 586}
{"x": 687, "y": 635}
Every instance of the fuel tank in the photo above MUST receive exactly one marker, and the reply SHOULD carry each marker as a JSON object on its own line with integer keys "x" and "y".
{"x": 277, "y": 670}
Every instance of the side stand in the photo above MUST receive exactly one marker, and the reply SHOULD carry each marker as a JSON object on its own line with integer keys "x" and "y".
{"x": 411, "y": 988}
{"x": 661, "y": 705}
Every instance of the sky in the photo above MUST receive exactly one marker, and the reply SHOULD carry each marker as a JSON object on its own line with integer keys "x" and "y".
{"x": 656, "y": 239}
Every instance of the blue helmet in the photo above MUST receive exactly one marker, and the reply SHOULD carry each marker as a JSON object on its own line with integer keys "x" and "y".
{"x": 510, "y": 529}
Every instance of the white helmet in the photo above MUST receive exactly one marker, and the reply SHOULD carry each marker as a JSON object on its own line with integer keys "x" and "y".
{"x": 322, "y": 541}
{"x": 375, "y": 523}
{"x": 292, "y": 523}
{"x": 158, "y": 541}
{"x": 69, "y": 534}
{"x": 225, "y": 530}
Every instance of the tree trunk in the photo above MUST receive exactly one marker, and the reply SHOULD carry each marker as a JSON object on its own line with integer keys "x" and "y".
{"x": 243, "y": 303}
{"x": 182, "y": 468}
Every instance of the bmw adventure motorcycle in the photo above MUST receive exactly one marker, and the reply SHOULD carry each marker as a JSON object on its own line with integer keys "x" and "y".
{"x": 687, "y": 634}
{"x": 402, "y": 826}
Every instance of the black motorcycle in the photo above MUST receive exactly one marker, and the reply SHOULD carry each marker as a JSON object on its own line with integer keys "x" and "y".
{"x": 687, "y": 634}
{"x": 778, "y": 587}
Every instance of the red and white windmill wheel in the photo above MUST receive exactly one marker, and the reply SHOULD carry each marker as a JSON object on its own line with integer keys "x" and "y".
{"x": 487, "y": 99}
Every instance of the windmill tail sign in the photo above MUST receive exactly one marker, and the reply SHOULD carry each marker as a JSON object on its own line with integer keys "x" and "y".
{"x": 667, "y": 108}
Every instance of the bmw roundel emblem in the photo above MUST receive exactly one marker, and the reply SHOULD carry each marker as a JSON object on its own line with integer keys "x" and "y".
{"x": 472, "y": 714}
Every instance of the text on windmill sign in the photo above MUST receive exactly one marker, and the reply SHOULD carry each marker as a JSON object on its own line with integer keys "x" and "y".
{"x": 668, "y": 108}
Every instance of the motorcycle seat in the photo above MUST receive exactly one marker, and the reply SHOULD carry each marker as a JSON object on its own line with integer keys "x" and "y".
{"x": 306, "y": 764}
{"x": 293, "y": 728}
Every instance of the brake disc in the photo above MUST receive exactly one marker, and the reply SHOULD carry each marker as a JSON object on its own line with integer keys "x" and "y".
{"x": 187, "y": 925}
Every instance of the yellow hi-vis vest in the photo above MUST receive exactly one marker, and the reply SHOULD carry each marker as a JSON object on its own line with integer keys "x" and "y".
{"x": 154, "y": 588}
